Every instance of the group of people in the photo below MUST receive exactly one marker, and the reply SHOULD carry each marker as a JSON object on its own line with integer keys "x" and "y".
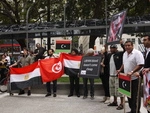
{"x": 133, "y": 63}
{"x": 129, "y": 61}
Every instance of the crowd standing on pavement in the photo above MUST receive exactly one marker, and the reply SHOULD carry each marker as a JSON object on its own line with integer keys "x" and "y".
{"x": 129, "y": 61}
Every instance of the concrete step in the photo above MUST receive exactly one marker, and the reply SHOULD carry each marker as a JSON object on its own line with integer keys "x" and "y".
{"x": 63, "y": 89}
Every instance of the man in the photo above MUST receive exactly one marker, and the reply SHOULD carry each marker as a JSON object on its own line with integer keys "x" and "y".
{"x": 115, "y": 62}
{"x": 38, "y": 53}
{"x": 146, "y": 69}
{"x": 24, "y": 61}
{"x": 48, "y": 84}
{"x": 90, "y": 52}
{"x": 133, "y": 61}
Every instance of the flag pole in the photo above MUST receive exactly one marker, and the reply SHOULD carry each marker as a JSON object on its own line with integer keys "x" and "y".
{"x": 138, "y": 94}
{"x": 124, "y": 104}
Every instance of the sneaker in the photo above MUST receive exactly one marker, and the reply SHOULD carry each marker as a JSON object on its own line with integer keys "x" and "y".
{"x": 29, "y": 93}
{"x": 92, "y": 97}
{"x": 107, "y": 100}
{"x": 112, "y": 104}
{"x": 84, "y": 97}
{"x": 48, "y": 94}
{"x": 54, "y": 95}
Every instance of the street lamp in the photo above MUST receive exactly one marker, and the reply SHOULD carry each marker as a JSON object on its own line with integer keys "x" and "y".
{"x": 27, "y": 16}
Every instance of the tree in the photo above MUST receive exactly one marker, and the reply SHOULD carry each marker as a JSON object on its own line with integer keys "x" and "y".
{"x": 14, "y": 11}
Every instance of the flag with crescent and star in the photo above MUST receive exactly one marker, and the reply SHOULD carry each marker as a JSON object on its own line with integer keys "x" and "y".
{"x": 51, "y": 69}
{"x": 124, "y": 84}
{"x": 63, "y": 46}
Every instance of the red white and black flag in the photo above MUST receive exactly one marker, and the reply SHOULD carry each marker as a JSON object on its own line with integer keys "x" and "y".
{"x": 71, "y": 63}
{"x": 116, "y": 27}
{"x": 24, "y": 77}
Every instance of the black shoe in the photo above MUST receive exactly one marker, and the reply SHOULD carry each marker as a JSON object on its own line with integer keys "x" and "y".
{"x": 113, "y": 104}
{"x": 48, "y": 94}
{"x": 21, "y": 92}
{"x": 29, "y": 93}
{"x": 54, "y": 95}
{"x": 70, "y": 95}
{"x": 78, "y": 95}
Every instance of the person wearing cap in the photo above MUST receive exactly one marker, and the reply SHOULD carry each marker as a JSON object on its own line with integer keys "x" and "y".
{"x": 114, "y": 62}
{"x": 24, "y": 61}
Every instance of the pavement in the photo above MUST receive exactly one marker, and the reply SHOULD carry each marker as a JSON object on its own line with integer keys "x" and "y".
{"x": 38, "y": 103}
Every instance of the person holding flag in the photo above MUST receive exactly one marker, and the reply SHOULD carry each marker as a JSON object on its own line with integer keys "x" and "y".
{"x": 133, "y": 61}
{"x": 146, "y": 70}
{"x": 48, "y": 84}
{"x": 24, "y": 61}
{"x": 73, "y": 77}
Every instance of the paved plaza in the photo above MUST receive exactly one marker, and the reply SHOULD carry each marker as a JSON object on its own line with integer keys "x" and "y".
{"x": 38, "y": 103}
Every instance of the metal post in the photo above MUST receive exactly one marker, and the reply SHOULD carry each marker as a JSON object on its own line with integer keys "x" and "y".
{"x": 65, "y": 17}
{"x": 27, "y": 17}
{"x": 48, "y": 19}
{"x": 106, "y": 17}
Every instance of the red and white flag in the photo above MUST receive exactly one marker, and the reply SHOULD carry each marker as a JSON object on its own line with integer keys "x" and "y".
{"x": 26, "y": 76}
{"x": 51, "y": 69}
{"x": 71, "y": 63}
{"x": 146, "y": 90}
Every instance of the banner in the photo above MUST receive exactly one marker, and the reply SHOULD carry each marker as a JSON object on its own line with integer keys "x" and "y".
{"x": 90, "y": 67}
{"x": 116, "y": 27}
{"x": 125, "y": 85}
{"x": 51, "y": 69}
{"x": 24, "y": 77}
{"x": 146, "y": 91}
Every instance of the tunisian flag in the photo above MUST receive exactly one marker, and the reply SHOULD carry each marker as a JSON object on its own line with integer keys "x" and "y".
{"x": 26, "y": 76}
{"x": 51, "y": 69}
{"x": 71, "y": 63}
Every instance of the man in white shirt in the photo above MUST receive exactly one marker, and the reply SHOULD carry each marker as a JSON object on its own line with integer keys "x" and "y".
{"x": 133, "y": 61}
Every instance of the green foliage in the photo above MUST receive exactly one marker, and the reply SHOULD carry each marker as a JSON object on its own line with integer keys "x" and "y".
{"x": 14, "y": 11}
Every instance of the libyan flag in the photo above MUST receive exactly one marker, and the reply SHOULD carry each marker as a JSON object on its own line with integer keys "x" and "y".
{"x": 124, "y": 85}
{"x": 24, "y": 77}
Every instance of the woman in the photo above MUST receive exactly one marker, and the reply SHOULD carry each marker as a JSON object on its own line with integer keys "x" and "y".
{"x": 74, "y": 78}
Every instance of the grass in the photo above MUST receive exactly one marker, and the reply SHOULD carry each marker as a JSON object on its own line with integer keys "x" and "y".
{"x": 66, "y": 80}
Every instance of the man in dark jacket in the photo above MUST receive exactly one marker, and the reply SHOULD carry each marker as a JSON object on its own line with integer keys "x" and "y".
{"x": 39, "y": 52}
{"x": 146, "y": 42}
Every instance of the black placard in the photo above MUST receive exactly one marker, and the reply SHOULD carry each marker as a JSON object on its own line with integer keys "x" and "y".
{"x": 90, "y": 67}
